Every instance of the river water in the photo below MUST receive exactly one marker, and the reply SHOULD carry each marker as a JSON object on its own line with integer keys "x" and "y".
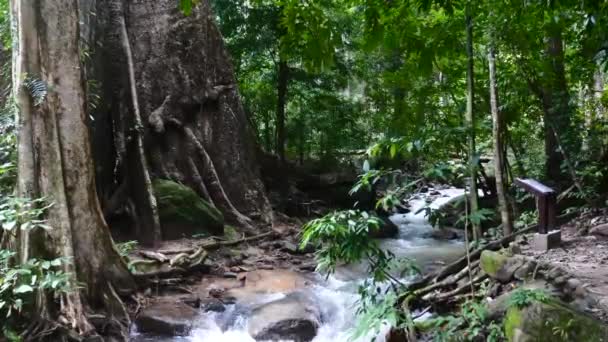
{"x": 336, "y": 295}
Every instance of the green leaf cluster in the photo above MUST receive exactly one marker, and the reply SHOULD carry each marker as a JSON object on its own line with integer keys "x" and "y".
{"x": 19, "y": 284}
{"x": 522, "y": 297}
{"x": 342, "y": 238}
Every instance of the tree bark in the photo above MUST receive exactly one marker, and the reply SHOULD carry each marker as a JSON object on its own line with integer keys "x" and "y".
{"x": 183, "y": 75}
{"x": 283, "y": 80}
{"x": 470, "y": 121}
{"x": 499, "y": 155}
{"x": 555, "y": 101}
{"x": 146, "y": 208}
{"x": 55, "y": 162}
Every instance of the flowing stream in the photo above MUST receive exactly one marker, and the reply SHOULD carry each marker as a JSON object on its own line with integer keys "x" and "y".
{"x": 336, "y": 295}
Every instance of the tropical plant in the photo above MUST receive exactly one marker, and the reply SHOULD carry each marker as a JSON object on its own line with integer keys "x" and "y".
{"x": 21, "y": 281}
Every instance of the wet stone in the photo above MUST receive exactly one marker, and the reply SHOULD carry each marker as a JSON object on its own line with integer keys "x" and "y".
{"x": 166, "y": 318}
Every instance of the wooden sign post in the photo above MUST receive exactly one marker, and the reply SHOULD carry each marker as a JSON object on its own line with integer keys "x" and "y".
{"x": 549, "y": 235}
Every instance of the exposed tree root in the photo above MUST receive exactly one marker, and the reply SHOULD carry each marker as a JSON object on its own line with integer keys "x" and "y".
{"x": 166, "y": 263}
{"x": 214, "y": 185}
{"x": 205, "y": 176}
{"x": 446, "y": 296}
{"x": 147, "y": 210}
{"x": 198, "y": 181}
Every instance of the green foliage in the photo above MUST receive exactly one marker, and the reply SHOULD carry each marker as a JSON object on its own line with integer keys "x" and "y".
{"x": 470, "y": 324}
{"x": 19, "y": 282}
{"x": 445, "y": 172}
{"x": 8, "y": 160}
{"x": 309, "y": 32}
{"x": 522, "y": 297}
{"x": 344, "y": 237}
{"x": 187, "y": 5}
{"x": 36, "y": 88}
{"x": 376, "y": 308}
{"x": 477, "y": 217}
{"x": 125, "y": 248}
{"x": 368, "y": 179}
{"x": 526, "y": 219}
{"x": 562, "y": 331}
{"x": 23, "y": 213}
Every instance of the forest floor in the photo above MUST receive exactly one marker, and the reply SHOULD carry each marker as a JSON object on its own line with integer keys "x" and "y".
{"x": 583, "y": 256}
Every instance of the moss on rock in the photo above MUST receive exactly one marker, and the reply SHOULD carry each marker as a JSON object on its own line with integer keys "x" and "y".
{"x": 552, "y": 321}
{"x": 184, "y": 213}
{"x": 230, "y": 232}
{"x": 491, "y": 262}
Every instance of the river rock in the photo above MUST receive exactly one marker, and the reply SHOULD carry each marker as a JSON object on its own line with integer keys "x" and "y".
{"x": 552, "y": 321}
{"x": 446, "y": 233}
{"x": 601, "y": 230}
{"x": 263, "y": 282}
{"x": 166, "y": 318}
{"x": 293, "y": 318}
{"x": 525, "y": 271}
{"x": 387, "y": 229}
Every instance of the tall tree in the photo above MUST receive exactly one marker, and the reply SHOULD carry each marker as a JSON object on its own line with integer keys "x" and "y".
{"x": 282, "y": 84}
{"x": 55, "y": 163}
{"x": 555, "y": 98}
{"x": 498, "y": 135}
{"x": 470, "y": 120}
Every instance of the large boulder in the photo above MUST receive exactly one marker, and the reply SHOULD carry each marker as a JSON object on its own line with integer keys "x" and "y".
{"x": 184, "y": 213}
{"x": 166, "y": 318}
{"x": 294, "y": 318}
{"x": 552, "y": 321}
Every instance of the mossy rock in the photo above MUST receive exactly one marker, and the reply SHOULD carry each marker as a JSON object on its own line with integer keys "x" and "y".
{"x": 183, "y": 213}
{"x": 552, "y": 321}
{"x": 231, "y": 233}
{"x": 491, "y": 262}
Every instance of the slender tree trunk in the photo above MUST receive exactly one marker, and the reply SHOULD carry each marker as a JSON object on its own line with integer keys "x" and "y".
{"x": 267, "y": 132}
{"x": 55, "y": 162}
{"x": 499, "y": 155}
{"x": 283, "y": 80}
{"x": 556, "y": 108}
{"x": 470, "y": 120}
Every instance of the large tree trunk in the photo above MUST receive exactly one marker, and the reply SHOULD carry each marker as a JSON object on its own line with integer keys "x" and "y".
{"x": 194, "y": 127}
{"x": 498, "y": 135}
{"x": 470, "y": 121}
{"x": 55, "y": 162}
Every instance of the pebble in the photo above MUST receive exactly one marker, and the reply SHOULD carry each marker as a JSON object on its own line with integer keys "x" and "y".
{"x": 573, "y": 283}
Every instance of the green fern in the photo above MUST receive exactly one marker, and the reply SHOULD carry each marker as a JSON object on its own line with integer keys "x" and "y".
{"x": 37, "y": 89}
